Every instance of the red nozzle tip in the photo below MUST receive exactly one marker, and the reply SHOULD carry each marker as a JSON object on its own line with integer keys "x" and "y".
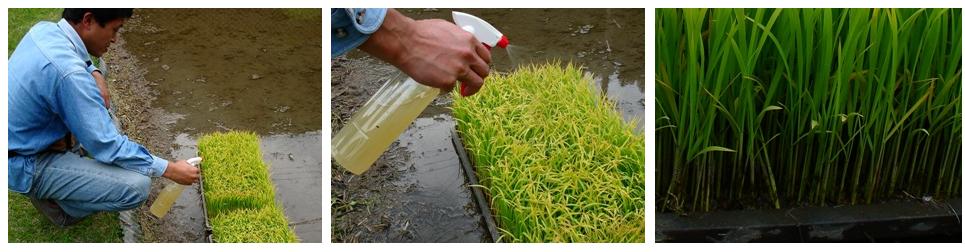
{"x": 503, "y": 42}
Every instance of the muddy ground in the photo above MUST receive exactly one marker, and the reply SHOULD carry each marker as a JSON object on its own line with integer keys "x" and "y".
{"x": 175, "y": 74}
{"x": 416, "y": 191}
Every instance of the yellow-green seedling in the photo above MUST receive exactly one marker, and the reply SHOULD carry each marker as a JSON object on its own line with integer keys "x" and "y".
{"x": 235, "y": 175}
{"x": 254, "y": 225}
{"x": 556, "y": 158}
{"x": 239, "y": 194}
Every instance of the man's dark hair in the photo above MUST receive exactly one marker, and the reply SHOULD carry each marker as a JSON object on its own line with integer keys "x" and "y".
{"x": 101, "y": 16}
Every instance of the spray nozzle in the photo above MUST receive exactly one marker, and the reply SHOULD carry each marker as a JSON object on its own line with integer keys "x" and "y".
{"x": 484, "y": 32}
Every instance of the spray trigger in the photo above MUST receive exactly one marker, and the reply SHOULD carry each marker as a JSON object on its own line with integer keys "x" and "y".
{"x": 195, "y": 161}
{"x": 488, "y": 35}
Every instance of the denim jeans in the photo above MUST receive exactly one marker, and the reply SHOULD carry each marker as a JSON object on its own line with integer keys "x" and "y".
{"x": 83, "y": 186}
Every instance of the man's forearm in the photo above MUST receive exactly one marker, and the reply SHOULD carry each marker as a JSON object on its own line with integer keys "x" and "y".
{"x": 388, "y": 42}
{"x": 102, "y": 86}
{"x": 433, "y": 52}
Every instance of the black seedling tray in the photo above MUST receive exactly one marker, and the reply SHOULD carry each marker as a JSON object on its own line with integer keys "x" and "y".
{"x": 208, "y": 233}
{"x": 479, "y": 196}
{"x": 894, "y": 221}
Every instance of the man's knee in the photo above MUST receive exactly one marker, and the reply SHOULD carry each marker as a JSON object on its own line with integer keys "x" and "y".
{"x": 138, "y": 188}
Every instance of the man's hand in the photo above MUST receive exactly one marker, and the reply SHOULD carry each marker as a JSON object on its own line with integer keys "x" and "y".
{"x": 60, "y": 145}
{"x": 433, "y": 52}
{"x": 102, "y": 86}
{"x": 182, "y": 172}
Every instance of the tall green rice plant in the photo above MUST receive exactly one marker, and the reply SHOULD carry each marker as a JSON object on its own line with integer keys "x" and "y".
{"x": 806, "y": 106}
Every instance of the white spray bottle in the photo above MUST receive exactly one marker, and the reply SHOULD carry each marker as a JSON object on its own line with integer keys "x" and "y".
{"x": 389, "y": 112}
{"x": 165, "y": 199}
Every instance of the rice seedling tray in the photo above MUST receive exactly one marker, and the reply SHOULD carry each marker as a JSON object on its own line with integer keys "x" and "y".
{"x": 208, "y": 233}
{"x": 557, "y": 161}
{"x": 900, "y": 220}
{"x": 480, "y": 197}
{"x": 239, "y": 197}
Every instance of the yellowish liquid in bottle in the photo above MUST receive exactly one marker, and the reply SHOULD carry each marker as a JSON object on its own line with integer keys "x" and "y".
{"x": 379, "y": 122}
{"x": 166, "y": 199}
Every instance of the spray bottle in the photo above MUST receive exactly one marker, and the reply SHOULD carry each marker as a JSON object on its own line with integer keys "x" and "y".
{"x": 389, "y": 112}
{"x": 169, "y": 194}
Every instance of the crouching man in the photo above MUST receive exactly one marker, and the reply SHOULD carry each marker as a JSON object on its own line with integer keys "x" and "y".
{"x": 57, "y": 111}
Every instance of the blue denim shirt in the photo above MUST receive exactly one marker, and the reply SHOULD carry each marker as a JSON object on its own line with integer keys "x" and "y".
{"x": 352, "y": 26}
{"x": 51, "y": 92}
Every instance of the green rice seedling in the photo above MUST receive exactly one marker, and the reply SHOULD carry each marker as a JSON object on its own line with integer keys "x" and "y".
{"x": 806, "y": 106}
{"x": 239, "y": 194}
{"x": 235, "y": 175}
{"x": 257, "y": 225}
{"x": 557, "y": 160}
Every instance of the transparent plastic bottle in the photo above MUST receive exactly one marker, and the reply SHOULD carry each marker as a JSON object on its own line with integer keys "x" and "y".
{"x": 167, "y": 197}
{"x": 379, "y": 122}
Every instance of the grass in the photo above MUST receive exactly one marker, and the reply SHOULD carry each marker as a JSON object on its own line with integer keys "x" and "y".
{"x": 806, "y": 106}
{"x": 19, "y": 21}
{"x": 24, "y": 223}
{"x": 556, "y": 158}
{"x": 239, "y": 194}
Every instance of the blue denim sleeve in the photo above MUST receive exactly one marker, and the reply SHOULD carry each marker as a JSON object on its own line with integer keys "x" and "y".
{"x": 92, "y": 68}
{"x": 83, "y": 111}
{"x": 352, "y": 26}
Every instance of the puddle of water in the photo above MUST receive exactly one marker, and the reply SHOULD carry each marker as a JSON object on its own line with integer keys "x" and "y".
{"x": 437, "y": 200}
{"x": 627, "y": 98}
{"x": 296, "y": 164}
